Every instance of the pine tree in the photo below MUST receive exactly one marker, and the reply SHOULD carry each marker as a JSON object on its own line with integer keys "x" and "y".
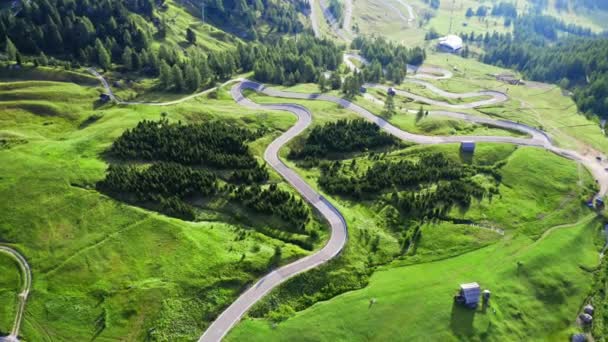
{"x": 420, "y": 114}
{"x": 178, "y": 78}
{"x": 43, "y": 60}
{"x": 193, "y": 78}
{"x": 336, "y": 81}
{"x": 190, "y": 36}
{"x": 322, "y": 83}
{"x": 389, "y": 105}
{"x": 127, "y": 58}
{"x": 103, "y": 57}
{"x": 165, "y": 75}
{"x": 11, "y": 50}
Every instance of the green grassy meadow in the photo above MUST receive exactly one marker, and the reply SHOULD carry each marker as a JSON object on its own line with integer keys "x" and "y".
{"x": 103, "y": 269}
{"x": 10, "y": 284}
{"x": 537, "y": 300}
{"x": 540, "y": 209}
{"x": 390, "y": 18}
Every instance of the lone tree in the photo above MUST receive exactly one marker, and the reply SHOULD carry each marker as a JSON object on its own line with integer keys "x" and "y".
{"x": 389, "y": 105}
{"x": 420, "y": 114}
{"x": 190, "y": 36}
{"x": 11, "y": 50}
{"x": 322, "y": 83}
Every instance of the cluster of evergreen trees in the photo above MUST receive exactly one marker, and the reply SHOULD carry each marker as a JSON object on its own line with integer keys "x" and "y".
{"x": 212, "y": 144}
{"x": 290, "y": 61}
{"x": 433, "y": 3}
{"x": 577, "y": 62}
{"x": 162, "y": 186}
{"x": 436, "y": 204}
{"x": 381, "y": 175}
{"x": 453, "y": 183}
{"x": 245, "y": 16}
{"x": 118, "y": 35}
{"x": 342, "y": 136}
{"x": 274, "y": 201}
{"x": 384, "y": 54}
{"x": 175, "y": 177}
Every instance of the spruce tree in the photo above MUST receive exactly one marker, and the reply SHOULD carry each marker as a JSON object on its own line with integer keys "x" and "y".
{"x": 103, "y": 57}
{"x": 127, "y": 58}
{"x": 11, "y": 50}
{"x": 389, "y": 105}
{"x": 322, "y": 83}
{"x": 190, "y": 36}
{"x": 165, "y": 75}
{"x": 178, "y": 78}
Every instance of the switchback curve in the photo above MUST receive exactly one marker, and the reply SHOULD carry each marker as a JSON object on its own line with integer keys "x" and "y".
{"x": 220, "y": 327}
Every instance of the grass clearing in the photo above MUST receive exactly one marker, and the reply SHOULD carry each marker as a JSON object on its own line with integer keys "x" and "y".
{"x": 535, "y": 301}
{"x": 105, "y": 269}
{"x": 10, "y": 285}
{"x": 390, "y": 19}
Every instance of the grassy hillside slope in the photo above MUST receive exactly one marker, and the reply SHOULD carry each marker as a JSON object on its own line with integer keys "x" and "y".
{"x": 101, "y": 268}
{"x": 537, "y": 300}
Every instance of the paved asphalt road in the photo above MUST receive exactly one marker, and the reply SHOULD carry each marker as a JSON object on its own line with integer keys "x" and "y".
{"x": 27, "y": 286}
{"x": 220, "y": 327}
{"x": 235, "y": 312}
{"x": 339, "y": 233}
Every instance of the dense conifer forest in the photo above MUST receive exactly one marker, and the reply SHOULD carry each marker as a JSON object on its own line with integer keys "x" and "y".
{"x": 190, "y": 162}
{"x": 546, "y": 49}
{"x": 240, "y": 16}
{"x": 340, "y": 137}
{"x": 112, "y": 35}
{"x": 289, "y": 61}
{"x": 382, "y": 53}
{"x": 409, "y": 182}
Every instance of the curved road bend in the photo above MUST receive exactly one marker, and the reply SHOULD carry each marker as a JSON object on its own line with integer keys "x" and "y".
{"x": 218, "y": 329}
{"x": 419, "y": 71}
{"x": 27, "y": 286}
{"x": 115, "y": 99}
{"x": 234, "y": 312}
{"x": 538, "y": 138}
{"x": 495, "y": 96}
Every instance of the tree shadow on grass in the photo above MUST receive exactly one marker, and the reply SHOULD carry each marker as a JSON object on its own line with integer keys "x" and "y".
{"x": 461, "y": 321}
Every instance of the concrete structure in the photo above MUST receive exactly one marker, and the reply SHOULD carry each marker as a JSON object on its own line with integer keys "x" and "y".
{"x": 450, "y": 43}
{"x": 469, "y": 294}
{"x": 467, "y": 146}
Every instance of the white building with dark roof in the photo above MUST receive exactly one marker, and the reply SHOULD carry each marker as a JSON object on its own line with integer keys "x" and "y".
{"x": 451, "y": 43}
{"x": 470, "y": 294}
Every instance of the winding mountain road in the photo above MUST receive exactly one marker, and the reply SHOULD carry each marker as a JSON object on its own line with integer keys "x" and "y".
{"x": 227, "y": 319}
{"x": 26, "y": 288}
{"x": 339, "y": 232}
